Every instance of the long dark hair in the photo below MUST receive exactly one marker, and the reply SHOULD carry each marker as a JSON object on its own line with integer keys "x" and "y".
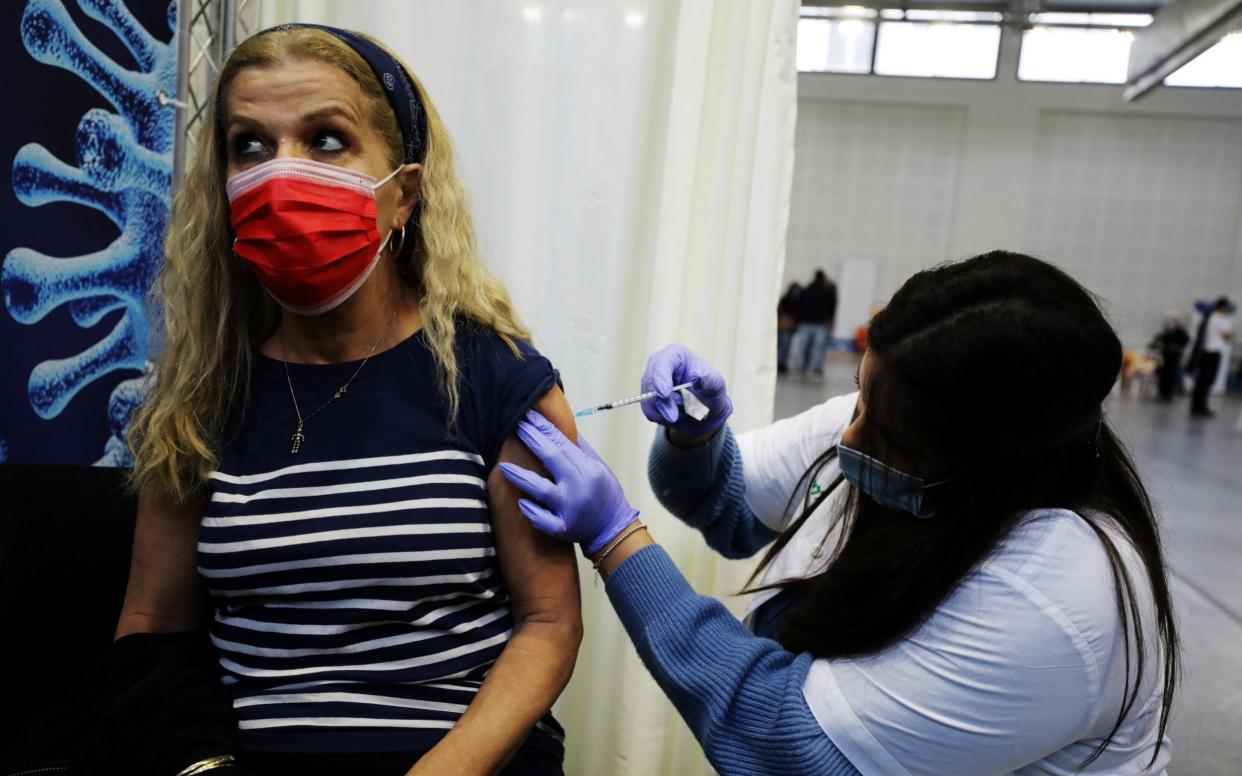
{"x": 995, "y": 367}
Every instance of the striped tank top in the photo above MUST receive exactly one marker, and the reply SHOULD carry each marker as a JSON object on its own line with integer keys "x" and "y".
{"x": 356, "y": 595}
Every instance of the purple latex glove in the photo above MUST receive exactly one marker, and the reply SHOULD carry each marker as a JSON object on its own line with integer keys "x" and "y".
{"x": 585, "y": 503}
{"x": 675, "y": 365}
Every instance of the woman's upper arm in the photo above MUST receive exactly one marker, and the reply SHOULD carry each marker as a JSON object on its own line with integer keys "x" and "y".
{"x": 541, "y": 572}
{"x": 163, "y": 595}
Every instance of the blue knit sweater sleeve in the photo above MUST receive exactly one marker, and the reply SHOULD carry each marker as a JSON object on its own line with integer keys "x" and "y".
{"x": 704, "y": 487}
{"x": 740, "y": 694}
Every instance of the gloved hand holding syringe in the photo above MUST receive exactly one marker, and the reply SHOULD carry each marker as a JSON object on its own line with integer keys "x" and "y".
{"x": 680, "y": 391}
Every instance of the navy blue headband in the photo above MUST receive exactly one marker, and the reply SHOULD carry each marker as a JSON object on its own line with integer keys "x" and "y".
{"x": 396, "y": 83}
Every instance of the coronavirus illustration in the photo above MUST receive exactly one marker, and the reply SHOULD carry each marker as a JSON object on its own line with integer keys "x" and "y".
{"x": 124, "y": 170}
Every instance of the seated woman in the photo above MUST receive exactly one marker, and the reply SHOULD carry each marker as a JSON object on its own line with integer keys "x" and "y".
{"x": 338, "y": 378}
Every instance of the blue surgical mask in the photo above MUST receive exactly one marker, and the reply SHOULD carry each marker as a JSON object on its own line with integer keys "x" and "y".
{"x": 885, "y": 485}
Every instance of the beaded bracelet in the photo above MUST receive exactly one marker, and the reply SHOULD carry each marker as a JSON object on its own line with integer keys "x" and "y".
{"x": 616, "y": 543}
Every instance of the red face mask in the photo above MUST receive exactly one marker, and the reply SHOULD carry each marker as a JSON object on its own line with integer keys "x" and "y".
{"x": 307, "y": 230}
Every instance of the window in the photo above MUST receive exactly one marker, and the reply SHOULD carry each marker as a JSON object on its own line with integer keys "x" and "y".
{"x": 923, "y": 43}
{"x": 1078, "y": 47}
{"x": 1221, "y": 65}
{"x": 944, "y": 44}
{"x": 836, "y": 40}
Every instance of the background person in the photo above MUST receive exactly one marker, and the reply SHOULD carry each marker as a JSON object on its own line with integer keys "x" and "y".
{"x": 786, "y": 325}
{"x": 1171, "y": 344}
{"x": 1213, "y": 345}
{"x": 816, "y": 307}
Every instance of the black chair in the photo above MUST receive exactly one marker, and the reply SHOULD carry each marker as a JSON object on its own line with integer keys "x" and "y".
{"x": 65, "y": 540}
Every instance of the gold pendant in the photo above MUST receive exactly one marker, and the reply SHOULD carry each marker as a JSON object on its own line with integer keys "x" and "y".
{"x": 297, "y": 439}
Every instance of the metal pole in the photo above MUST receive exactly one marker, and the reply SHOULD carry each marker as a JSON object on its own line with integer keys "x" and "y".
{"x": 185, "y": 11}
{"x": 228, "y": 33}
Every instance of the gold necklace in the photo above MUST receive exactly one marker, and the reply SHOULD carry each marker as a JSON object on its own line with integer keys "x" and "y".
{"x": 296, "y": 440}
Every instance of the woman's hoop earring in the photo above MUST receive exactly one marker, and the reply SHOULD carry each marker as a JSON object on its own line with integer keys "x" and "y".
{"x": 396, "y": 249}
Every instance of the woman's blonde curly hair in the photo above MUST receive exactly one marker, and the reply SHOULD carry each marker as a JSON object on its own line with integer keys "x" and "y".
{"x": 213, "y": 312}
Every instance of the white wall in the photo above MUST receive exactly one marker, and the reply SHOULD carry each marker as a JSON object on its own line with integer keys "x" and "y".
{"x": 1141, "y": 202}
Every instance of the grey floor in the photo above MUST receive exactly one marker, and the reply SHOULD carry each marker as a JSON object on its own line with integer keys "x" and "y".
{"x": 1194, "y": 472}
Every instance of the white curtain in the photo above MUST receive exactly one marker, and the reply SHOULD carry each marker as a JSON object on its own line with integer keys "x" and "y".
{"x": 630, "y": 165}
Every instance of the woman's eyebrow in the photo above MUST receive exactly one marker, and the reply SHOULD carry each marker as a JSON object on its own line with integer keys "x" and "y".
{"x": 328, "y": 111}
{"x": 242, "y": 120}
{"x": 318, "y": 114}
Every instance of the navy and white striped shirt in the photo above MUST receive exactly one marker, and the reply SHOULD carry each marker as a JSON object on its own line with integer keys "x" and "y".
{"x": 357, "y": 600}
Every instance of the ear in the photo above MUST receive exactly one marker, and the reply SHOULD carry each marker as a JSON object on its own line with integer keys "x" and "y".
{"x": 409, "y": 182}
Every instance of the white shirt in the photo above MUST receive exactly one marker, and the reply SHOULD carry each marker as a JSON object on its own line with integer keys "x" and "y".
{"x": 1218, "y": 326}
{"x": 1020, "y": 670}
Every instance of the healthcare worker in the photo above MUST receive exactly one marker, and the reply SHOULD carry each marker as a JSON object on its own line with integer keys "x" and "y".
{"x": 962, "y": 572}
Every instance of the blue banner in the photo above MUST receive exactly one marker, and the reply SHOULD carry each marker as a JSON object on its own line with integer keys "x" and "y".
{"x": 88, "y": 152}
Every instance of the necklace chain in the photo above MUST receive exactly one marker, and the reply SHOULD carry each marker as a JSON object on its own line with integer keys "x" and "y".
{"x": 297, "y": 438}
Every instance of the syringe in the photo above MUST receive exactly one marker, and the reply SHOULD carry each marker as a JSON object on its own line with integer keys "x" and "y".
{"x": 612, "y": 405}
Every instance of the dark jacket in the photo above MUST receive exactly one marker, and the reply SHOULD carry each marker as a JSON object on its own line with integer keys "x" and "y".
{"x": 817, "y": 303}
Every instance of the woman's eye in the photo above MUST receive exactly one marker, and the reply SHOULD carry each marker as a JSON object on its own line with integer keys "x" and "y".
{"x": 245, "y": 145}
{"x": 330, "y": 142}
